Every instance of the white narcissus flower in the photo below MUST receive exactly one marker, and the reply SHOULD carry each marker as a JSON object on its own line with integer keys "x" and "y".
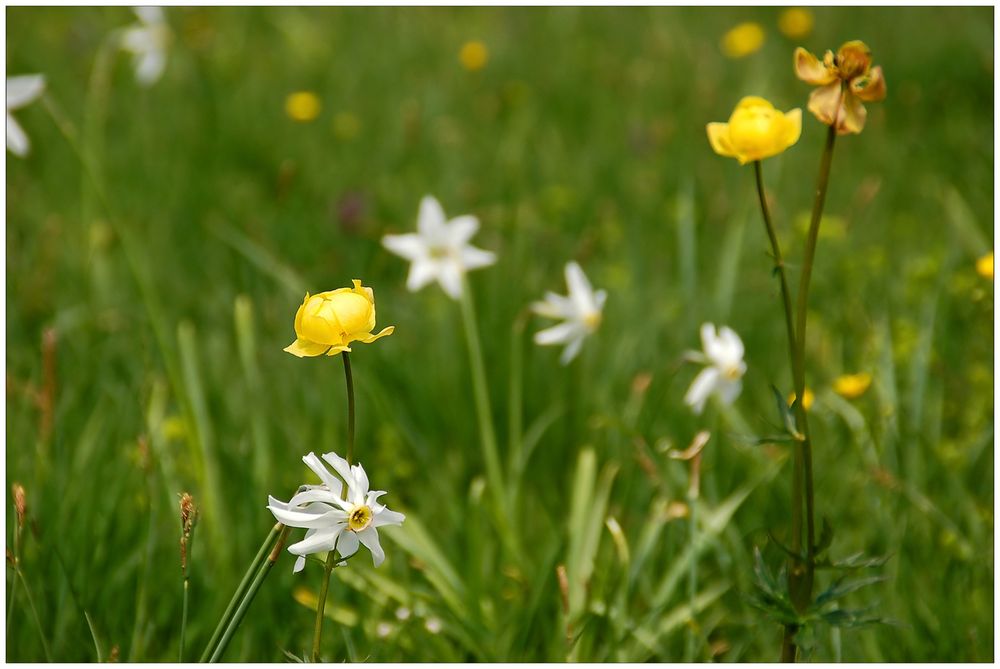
{"x": 147, "y": 41}
{"x": 723, "y": 353}
{"x": 581, "y": 311}
{"x": 332, "y": 520}
{"x": 21, "y": 91}
{"x": 440, "y": 249}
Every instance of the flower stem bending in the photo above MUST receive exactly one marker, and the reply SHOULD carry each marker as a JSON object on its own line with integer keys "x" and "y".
{"x": 349, "y": 379}
{"x": 240, "y": 591}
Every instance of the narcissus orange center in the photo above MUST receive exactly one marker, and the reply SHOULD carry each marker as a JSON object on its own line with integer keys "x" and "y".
{"x": 359, "y": 518}
{"x": 756, "y": 130}
{"x": 328, "y": 322}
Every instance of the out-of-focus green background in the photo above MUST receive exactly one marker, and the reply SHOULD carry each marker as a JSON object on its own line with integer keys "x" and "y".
{"x": 166, "y": 304}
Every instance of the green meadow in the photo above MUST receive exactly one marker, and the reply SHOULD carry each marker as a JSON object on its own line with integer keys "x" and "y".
{"x": 160, "y": 238}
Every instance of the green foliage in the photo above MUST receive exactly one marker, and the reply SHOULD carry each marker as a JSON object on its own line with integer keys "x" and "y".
{"x": 170, "y": 272}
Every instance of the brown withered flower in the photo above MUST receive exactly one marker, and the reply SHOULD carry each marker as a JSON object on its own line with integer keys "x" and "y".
{"x": 846, "y": 79}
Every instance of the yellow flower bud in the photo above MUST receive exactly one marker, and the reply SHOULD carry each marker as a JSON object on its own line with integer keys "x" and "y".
{"x": 852, "y": 386}
{"x": 795, "y": 22}
{"x": 743, "y": 40}
{"x": 984, "y": 266}
{"x": 328, "y": 322}
{"x": 302, "y": 106}
{"x": 755, "y": 131}
{"x": 473, "y": 56}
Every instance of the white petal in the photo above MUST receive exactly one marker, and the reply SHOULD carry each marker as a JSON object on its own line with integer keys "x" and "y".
{"x": 410, "y": 246}
{"x": 708, "y": 339}
{"x": 343, "y": 468}
{"x": 371, "y": 500}
{"x": 300, "y": 563}
{"x": 732, "y": 344}
{"x": 24, "y": 89}
{"x": 422, "y": 272}
{"x": 431, "y": 219}
{"x": 554, "y": 306}
{"x": 473, "y": 258}
{"x": 571, "y": 350}
{"x": 318, "y": 494}
{"x": 319, "y": 542}
{"x": 600, "y": 297}
{"x": 150, "y": 15}
{"x": 17, "y": 140}
{"x": 362, "y": 479}
{"x": 728, "y": 391}
{"x": 461, "y": 229}
{"x": 701, "y": 388}
{"x": 328, "y": 479}
{"x": 387, "y": 517}
{"x": 450, "y": 279}
{"x": 149, "y": 66}
{"x": 580, "y": 290}
{"x": 557, "y": 334}
{"x": 369, "y": 537}
{"x": 347, "y": 545}
{"x": 308, "y": 519}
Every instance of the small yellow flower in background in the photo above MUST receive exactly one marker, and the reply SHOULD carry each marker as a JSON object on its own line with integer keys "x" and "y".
{"x": 795, "y": 22}
{"x": 328, "y": 322}
{"x": 852, "y": 386}
{"x": 985, "y": 266}
{"x": 743, "y": 40}
{"x": 846, "y": 80}
{"x": 302, "y": 106}
{"x": 755, "y": 131}
{"x": 473, "y": 56}
{"x": 807, "y": 399}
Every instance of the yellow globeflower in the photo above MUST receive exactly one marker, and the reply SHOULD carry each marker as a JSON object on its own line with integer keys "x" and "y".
{"x": 807, "y": 399}
{"x": 755, "y": 131}
{"x": 852, "y": 386}
{"x": 795, "y": 22}
{"x": 845, "y": 80}
{"x": 473, "y": 56}
{"x": 328, "y": 322}
{"x": 302, "y": 106}
{"x": 743, "y": 40}
{"x": 985, "y": 266}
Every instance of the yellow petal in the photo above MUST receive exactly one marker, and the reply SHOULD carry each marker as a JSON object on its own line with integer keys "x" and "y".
{"x": 853, "y": 59}
{"x": 852, "y": 116}
{"x": 825, "y": 102}
{"x": 372, "y": 337}
{"x": 339, "y": 348}
{"x": 793, "y": 127}
{"x": 303, "y": 348}
{"x": 809, "y": 69}
{"x": 795, "y": 22}
{"x": 871, "y": 87}
{"x": 743, "y": 40}
{"x": 718, "y": 137}
{"x": 984, "y": 266}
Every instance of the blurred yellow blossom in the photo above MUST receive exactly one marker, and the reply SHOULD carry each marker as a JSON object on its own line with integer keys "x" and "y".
{"x": 473, "y": 55}
{"x": 743, "y": 40}
{"x": 755, "y": 131}
{"x": 846, "y": 80}
{"x": 795, "y": 22}
{"x": 808, "y": 397}
{"x": 985, "y": 266}
{"x": 302, "y": 106}
{"x": 328, "y": 322}
{"x": 852, "y": 386}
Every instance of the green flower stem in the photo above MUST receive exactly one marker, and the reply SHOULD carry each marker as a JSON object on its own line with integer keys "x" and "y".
{"x": 349, "y": 378}
{"x": 186, "y": 577}
{"x": 34, "y": 613}
{"x": 321, "y": 602}
{"x": 488, "y": 438}
{"x": 258, "y": 580}
{"x": 241, "y": 591}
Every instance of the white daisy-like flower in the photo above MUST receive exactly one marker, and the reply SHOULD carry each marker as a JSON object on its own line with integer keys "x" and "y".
{"x": 581, "y": 311}
{"x": 147, "y": 40}
{"x": 21, "y": 91}
{"x": 723, "y": 353}
{"x": 439, "y": 249}
{"x": 332, "y": 520}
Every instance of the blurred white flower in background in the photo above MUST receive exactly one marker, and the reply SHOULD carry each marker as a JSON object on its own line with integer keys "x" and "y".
{"x": 147, "y": 40}
{"x": 439, "y": 250}
{"x": 332, "y": 520}
{"x": 723, "y": 353}
{"x": 580, "y": 311}
{"x": 21, "y": 90}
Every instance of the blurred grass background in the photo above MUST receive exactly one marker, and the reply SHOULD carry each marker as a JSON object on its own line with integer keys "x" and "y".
{"x": 581, "y": 137}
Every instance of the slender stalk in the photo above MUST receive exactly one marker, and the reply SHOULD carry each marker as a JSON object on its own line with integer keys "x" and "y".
{"x": 258, "y": 580}
{"x": 693, "y": 494}
{"x": 10, "y": 605}
{"x": 321, "y": 602}
{"x": 349, "y": 378}
{"x": 184, "y": 615}
{"x": 240, "y": 591}
{"x": 34, "y": 613}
